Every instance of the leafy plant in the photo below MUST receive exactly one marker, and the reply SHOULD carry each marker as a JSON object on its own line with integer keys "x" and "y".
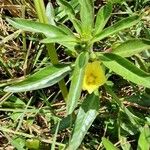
{"x": 79, "y": 43}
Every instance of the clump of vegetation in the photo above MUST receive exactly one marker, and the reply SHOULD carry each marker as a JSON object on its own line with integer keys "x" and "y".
{"x": 75, "y": 75}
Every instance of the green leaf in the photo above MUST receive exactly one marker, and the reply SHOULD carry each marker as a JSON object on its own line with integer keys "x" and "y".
{"x": 120, "y": 25}
{"x": 16, "y": 116}
{"x": 126, "y": 69}
{"x": 41, "y": 79}
{"x": 33, "y": 144}
{"x": 108, "y": 145}
{"x": 132, "y": 47}
{"x": 144, "y": 139}
{"x": 77, "y": 25}
{"x": 67, "y": 7}
{"x": 50, "y": 13}
{"x": 32, "y": 26}
{"x": 59, "y": 39}
{"x": 67, "y": 30}
{"x": 102, "y": 17}
{"x": 76, "y": 82}
{"x": 129, "y": 123}
{"x": 18, "y": 143}
{"x": 86, "y": 115}
{"x": 64, "y": 123}
{"x": 61, "y": 13}
{"x": 70, "y": 45}
{"x": 87, "y": 15}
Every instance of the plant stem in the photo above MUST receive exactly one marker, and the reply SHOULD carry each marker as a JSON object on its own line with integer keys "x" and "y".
{"x": 40, "y": 9}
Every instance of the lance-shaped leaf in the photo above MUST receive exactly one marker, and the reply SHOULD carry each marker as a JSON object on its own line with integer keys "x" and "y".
{"x": 86, "y": 115}
{"x": 76, "y": 82}
{"x": 61, "y": 13}
{"x": 77, "y": 25}
{"x": 144, "y": 139}
{"x": 120, "y": 25}
{"x": 71, "y": 15}
{"x": 126, "y": 69}
{"x": 67, "y": 7}
{"x": 132, "y": 47}
{"x": 32, "y": 26}
{"x": 59, "y": 39}
{"x": 67, "y": 30}
{"x": 50, "y": 13}
{"x": 41, "y": 79}
{"x": 87, "y": 15}
{"x": 102, "y": 17}
{"x": 108, "y": 145}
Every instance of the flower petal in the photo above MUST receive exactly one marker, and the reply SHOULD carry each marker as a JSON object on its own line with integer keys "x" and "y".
{"x": 94, "y": 76}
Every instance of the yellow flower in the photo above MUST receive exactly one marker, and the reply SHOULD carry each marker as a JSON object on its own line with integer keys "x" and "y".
{"x": 94, "y": 76}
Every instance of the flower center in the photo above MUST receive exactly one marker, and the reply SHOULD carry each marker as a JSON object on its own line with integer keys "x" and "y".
{"x": 91, "y": 79}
